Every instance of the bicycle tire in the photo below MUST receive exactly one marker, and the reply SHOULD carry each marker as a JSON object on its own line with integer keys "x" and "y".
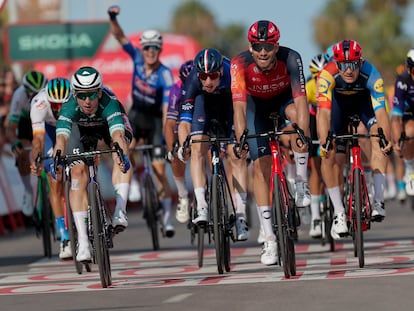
{"x": 226, "y": 226}
{"x": 200, "y": 244}
{"x": 280, "y": 223}
{"x": 73, "y": 233}
{"x": 46, "y": 211}
{"x": 218, "y": 233}
{"x": 290, "y": 241}
{"x": 151, "y": 205}
{"x": 328, "y": 219}
{"x": 101, "y": 251}
{"x": 358, "y": 208}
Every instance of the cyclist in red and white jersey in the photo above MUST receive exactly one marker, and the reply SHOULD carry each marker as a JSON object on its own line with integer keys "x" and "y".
{"x": 269, "y": 78}
{"x": 45, "y": 108}
{"x": 350, "y": 85}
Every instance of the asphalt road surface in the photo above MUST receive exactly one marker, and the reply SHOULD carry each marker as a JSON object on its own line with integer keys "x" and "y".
{"x": 170, "y": 279}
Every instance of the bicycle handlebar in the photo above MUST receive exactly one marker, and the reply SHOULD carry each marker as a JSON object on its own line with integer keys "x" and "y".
{"x": 383, "y": 142}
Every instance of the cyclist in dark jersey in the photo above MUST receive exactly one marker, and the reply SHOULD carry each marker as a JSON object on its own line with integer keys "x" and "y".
{"x": 350, "y": 85}
{"x": 402, "y": 119}
{"x": 269, "y": 78}
{"x": 98, "y": 115}
{"x": 171, "y": 139}
{"x": 207, "y": 97}
{"x": 151, "y": 84}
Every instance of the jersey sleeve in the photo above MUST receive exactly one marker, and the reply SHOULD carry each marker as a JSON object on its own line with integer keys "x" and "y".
{"x": 66, "y": 115}
{"x": 294, "y": 67}
{"x": 375, "y": 84}
{"x": 324, "y": 88}
{"x": 191, "y": 89}
{"x": 238, "y": 82}
{"x": 38, "y": 114}
{"x": 400, "y": 89}
{"x": 167, "y": 81}
{"x": 113, "y": 115}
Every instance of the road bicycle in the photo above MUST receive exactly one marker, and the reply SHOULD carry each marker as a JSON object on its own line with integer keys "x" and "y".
{"x": 221, "y": 209}
{"x": 358, "y": 206}
{"x": 43, "y": 214}
{"x": 403, "y": 138}
{"x": 152, "y": 207}
{"x": 285, "y": 215}
{"x": 326, "y": 212}
{"x": 100, "y": 230}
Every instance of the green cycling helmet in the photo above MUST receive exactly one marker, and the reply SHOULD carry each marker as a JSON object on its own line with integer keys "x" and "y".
{"x": 34, "y": 81}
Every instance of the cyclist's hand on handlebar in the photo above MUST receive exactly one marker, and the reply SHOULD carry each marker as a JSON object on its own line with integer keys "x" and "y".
{"x": 183, "y": 154}
{"x": 124, "y": 163}
{"x": 113, "y": 11}
{"x": 387, "y": 149}
{"x": 240, "y": 152}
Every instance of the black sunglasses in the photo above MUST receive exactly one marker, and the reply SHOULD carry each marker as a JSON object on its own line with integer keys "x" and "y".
{"x": 212, "y": 75}
{"x": 266, "y": 46}
{"x": 152, "y": 47}
{"x": 343, "y": 66}
{"x": 85, "y": 95}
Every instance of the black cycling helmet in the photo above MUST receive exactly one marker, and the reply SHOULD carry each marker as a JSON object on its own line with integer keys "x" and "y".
{"x": 34, "y": 81}
{"x": 185, "y": 70}
{"x": 208, "y": 60}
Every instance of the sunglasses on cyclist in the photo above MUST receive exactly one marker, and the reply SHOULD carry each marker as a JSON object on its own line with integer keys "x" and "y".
{"x": 266, "y": 46}
{"x": 343, "y": 66}
{"x": 155, "y": 48}
{"x": 212, "y": 75}
{"x": 85, "y": 95}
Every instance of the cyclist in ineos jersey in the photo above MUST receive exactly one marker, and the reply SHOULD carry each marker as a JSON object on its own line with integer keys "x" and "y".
{"x": 45, "y": 108}
{"x": 350, "y": 85}
{"x": 151, "y": 84}
{"x": 269, "y": 78}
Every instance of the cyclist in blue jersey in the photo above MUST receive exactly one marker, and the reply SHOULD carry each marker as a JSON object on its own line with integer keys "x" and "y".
{"x": 402, "y": 119}
{"x": 207, "y": 96}
{"x": 151, "y": 84}
{"x": 346, "y": 86}
{"x": 171, "y": 139}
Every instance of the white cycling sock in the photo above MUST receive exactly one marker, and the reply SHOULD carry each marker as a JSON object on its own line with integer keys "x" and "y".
{"x": 200, "y": 197}
{"x": 121, "y": 194}
{"x": 181, "y": 187}
{"x": 335, "y": 196}
{"x": 315, "y": 206}
{"x": 239, "y": 200}
{"x": 379, "y": 181}
{"x": 266, "y": 216}
{"x": 301, "y": 160}
{"x": 81, "y": 222}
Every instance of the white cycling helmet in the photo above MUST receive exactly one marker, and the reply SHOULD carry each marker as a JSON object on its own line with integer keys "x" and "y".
{"x": 85, "y": 79}
{"x": 151, "y": 37}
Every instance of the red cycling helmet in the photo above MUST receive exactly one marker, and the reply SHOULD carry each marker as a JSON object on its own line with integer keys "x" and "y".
{"x": 263, "y": 31}
{"x": 347, "y": 51}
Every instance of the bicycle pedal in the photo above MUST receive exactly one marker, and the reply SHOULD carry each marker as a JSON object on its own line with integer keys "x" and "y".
{"x": 377, "y": 218}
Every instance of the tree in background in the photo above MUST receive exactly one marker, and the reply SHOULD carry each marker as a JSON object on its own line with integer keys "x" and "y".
{"x": 376, "y": 25}
{"x": 194, "y": 19}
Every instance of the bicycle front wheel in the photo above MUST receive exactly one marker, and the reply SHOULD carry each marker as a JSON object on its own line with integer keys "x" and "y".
{"x": 151, "y": 206}
{"x": 100, "y": 245}
{"x": 218, "y": 229}
{"x": 359, "y": 234}
{"x": 73, "y": 233}
{"x": 46, "y": 221}
{"x": 281, "y": 225}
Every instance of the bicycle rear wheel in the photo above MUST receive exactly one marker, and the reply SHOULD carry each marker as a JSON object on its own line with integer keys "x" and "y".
{"x": 100, "y": 245}
{"x": 218, "y": 229}
{"x": 200, "y": 244}
{"x": 327, "y": 220}
{"x": 359, "y": 233}
{"x": 281, "y": 226}
{"x": 73, "y": 233}
{"x": 290, "y": 241}
{"x": 151, "y": 206}
{"x": 46, "y": 220}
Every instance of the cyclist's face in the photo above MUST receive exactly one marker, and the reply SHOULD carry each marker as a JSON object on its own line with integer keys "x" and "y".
{"x": 151, "y": 54}
{"x": 210, "y": 81}
{"x": 264, "y": 54}
{"x": 349, "y": 71}
{"x": 89, "y": 101}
